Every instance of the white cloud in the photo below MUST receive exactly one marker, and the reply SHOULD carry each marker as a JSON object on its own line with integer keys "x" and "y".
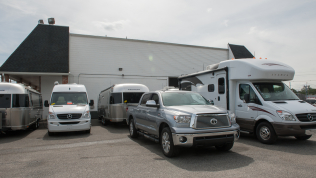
{"x": 209, "y": 10}
{"x": 225, "y": 23}
{"x": 112, "y": 26}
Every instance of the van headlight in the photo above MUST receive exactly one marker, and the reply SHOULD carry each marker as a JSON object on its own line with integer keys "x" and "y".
{"x": 232, "y": 117}
{"x": 286, "y": 116}
{"x": 51, "y": 115}
{"x": 86, "y": 114}
{"x": 182, "y": 118}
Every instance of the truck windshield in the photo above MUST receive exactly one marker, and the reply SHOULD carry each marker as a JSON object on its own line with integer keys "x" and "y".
{"x": 69, "y": 98}
{"x": 275, "y": 91}
{"x": 5, "y": 100}
{"x": 132, "y": 97}
{"x": 183, "y": 98}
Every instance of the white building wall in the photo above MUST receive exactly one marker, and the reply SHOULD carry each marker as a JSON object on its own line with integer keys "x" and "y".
{"x": 152, "y": 62}
{"x": 47, "y": 84}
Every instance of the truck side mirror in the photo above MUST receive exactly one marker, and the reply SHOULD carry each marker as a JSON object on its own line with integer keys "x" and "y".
{"x": 246, "y": 98}
{"x": 46, "y": 103}
{"x": 152, "y": 103}
{"x": 91, "y": 103}
{"x": 211, "y": 101}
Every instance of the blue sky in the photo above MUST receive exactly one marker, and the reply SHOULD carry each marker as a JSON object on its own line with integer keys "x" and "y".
{"x": 282, "y": 30}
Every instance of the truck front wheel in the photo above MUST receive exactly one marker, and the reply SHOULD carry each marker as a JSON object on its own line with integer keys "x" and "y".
{"x": 167, "y": 145}
{"x": 265, "y": 133}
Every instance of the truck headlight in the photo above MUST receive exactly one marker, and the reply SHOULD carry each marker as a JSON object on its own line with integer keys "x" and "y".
{"x": 51, "y": 115}
{"x": 182, "y": 118}
{"x": 286, "y": 116}
{"x": 86, "y": 114}
{"x": 232, "y": 117}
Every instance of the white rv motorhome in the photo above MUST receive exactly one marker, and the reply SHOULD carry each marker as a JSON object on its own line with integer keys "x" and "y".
{"x": 69, "y": 109}
{"x": 114, "y": 101}
{"x": 253, "y": 90}
{"x": 20, "y": 107}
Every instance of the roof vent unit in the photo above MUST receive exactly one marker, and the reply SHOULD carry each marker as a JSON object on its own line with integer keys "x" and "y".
{"x": 40, "y": 21}
{"x": 212, "y": 67}
{"x": 51, "y": 21}
{"x": 56, "y": 83}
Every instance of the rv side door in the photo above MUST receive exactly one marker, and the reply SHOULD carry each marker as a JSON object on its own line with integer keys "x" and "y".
{"x": 246, "y": 110}
{"x": 220, "y": 91}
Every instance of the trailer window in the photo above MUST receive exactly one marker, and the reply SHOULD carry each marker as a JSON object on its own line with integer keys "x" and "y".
{"x": 132, "y": 97}
{"x": 116, "y": 98}
{"x": 36, "y": 100}
{"x": 20, "y": 100}
{"x": 211, "y": 88}
{"x": 5, "y": 100}
{"x": 221, "y": 86}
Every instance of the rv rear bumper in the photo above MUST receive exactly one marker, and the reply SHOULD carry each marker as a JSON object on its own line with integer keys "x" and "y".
{"x": 294, "y": 129}
{"x": 69, "y": 126}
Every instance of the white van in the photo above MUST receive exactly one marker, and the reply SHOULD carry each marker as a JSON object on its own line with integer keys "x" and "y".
{"x": 69, "y": 109}
{"x": 254, "y": 91}
{"x": 113, "y": 102}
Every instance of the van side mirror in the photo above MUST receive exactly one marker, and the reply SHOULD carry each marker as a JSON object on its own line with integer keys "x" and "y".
{"x": 91, "y": 103}
{"x": 152, "y": 103}
{"x": 246, "y": 98}
{"x": 46, "y": 103}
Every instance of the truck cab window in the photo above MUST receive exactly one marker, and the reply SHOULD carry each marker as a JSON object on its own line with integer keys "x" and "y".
{"x": 145, "y": 99}
{"x": 156, "y": 98}
{"x": 211, "y": 88}
{"x": 221, "y": 86}
{"x": 246, "y": 89}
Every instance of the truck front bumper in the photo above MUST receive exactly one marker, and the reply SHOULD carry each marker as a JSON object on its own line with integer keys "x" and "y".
{"x": 294, "y": 129}
{"x": 205, "y": 139}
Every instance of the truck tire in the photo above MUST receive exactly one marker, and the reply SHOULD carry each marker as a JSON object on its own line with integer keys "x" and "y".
{"x": 132, "y": 130}
{"x": 265, "y": 133}
{"x": 225, "y": 147}
{"x": 305, "y": 137}
{"x": 166, "y": 142}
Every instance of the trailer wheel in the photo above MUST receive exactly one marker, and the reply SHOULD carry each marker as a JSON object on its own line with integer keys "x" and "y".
{"x": 132, "y": 129}
{"x": 104, "y": 121}
{"x": 166, "y": 143}
{"x": 305, "y": 137}
{"x": 265, "y": 133}
{"x": 225, "y": 147}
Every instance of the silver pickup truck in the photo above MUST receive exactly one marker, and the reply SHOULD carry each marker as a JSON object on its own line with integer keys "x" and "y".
{"x": 182, "y": 118}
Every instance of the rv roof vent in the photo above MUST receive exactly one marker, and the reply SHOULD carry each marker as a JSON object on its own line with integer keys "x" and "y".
{"x": 56, "y": 83}
{"x": 51, "y": 21}
{"x": 212, "y": 67}
{"x": 40, "y": 21}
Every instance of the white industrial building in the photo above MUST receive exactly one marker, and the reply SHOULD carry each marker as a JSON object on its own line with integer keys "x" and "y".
{"x": 50, "y": 54}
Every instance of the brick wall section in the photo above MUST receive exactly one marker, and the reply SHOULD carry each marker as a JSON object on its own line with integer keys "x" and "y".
{"x": 65, "y": 79}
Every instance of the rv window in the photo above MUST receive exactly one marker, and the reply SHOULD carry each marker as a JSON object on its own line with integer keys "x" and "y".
{"x": 116, "y": 98}
{"x": 246, "y": 89}
{"x": 20, "y": 100}
{"x": 186, "y": 86}
{"x": 132, "y": 97}
{"x": 221, "y": 86}
{"x": 211, "y": 88}
{"x": 145, "y": 99}
{"x": 275, "y": 91}
{"x": 36, "y": 100}
{"x": 69, "y": 98}
{"x": 5, "y": 101}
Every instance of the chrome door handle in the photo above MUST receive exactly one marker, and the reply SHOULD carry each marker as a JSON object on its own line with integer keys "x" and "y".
{"x": 239, "y": 105}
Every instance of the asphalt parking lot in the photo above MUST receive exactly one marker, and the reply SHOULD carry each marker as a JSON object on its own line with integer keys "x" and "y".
{"x": 109, "y": 152}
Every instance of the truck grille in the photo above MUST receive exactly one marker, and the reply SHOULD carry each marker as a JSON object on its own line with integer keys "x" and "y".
{"x": 307, "y": 117}
{"x": 65, "y": 116}
{"x": 212, "y": 121}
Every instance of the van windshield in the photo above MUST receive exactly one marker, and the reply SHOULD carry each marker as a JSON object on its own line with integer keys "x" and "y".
{"x": 69, "y": 98}
{"x": 132, "y": 97}
{"x": 183, "y": 98}
{"x": 275, "y": 91}
{"x": 5, "y": 100}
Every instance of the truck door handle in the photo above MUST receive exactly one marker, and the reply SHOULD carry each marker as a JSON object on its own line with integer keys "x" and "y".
{"x": 239, "y": 105}
{"x": 219, "y": 98}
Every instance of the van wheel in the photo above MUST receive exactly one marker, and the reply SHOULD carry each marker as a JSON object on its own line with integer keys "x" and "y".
{"x": 132, "y": 130}
{"x": 305, "y": 137}
{"x": 167, "y": 145}
{"x": 225, "y": 147}
{"x": 265, "y": 133}
{"x": 50, "y": 133}
{"x": 88, "y": 131}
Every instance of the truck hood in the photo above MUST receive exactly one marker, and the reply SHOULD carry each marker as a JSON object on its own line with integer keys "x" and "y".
{"x": 293, "y": 106}
{"x": 64, "y": 109}
{"x": 196, "y": 109}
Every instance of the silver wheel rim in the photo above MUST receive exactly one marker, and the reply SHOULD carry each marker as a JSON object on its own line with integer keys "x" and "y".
{"x": 165, "y": 142}
{"x": 265, "y": 133}
{"x": 131, "y": 129}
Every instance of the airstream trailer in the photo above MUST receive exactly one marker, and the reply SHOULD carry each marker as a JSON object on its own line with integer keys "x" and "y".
{"x": 114, "y": 101}
{"x": 20, "y": 107}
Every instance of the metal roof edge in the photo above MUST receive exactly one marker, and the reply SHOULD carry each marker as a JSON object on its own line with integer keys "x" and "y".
{"x": 32, "y": 73}
{"x": 136, "y": 40}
